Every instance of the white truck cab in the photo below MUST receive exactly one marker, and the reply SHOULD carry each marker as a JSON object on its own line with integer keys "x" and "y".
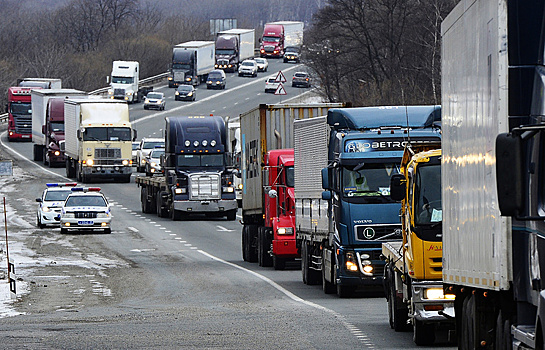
{"x": 124, "y": 81}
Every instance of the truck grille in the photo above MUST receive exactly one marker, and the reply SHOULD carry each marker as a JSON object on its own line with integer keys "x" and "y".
{"x": 108, "y": 153}
{"x": 85, "y": 215}
{"x": 269, "y": 48}
{"x": 119, "y": 93}
{"x": 377, "y": 232}
{"x": 204, "y": 186}
{"x": 23, "y": 124}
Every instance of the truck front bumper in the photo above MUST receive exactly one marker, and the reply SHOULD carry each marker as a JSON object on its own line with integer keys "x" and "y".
{"x": 206, "y": 206}
{"x": 285, "y": 248}
{"x": 428, "y": 310}
{"x": 108, "y": 171}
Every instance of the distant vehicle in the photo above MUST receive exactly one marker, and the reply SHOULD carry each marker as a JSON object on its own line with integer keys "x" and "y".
{"x": 234, "y": 46}
{"x": 300, "y": 79}
{"x": 153, "y": 162}
{"x": 262, "y": 64}
{"x": 216, "y": 79}
{"x": 86, "y": 209}
{"x": 155, "y": 100}
{"x": 291, "y": 54}
{"x": 271, "y": 84}
{"x": 51, "y": 203}
{"x": 248, "y": 67}
{"x": 125, "y": 82}
{"x": 279, "y": 35}
{"x": 135, "y": 147}
{"x": 191, "y": 63}
{"x": 185, "y": 93}
{"x": 147, "y": 145}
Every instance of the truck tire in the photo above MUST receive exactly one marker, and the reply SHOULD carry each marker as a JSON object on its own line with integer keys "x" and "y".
{"x": 78, "y": 175}
{"x": 251, "y": 242}
{"x": 310, "y": 276}
{"x": 279, "y": 263}
{"x": 69, "y": 169}
{"x": 37, "y": 152}
{"x": 175, "y": 215}
{"x": 263, "y": 246}
{"x": 231, "y": 215}
{"x": 144, "y": 200}
{"x": 345, "y": 291}
{"x": 423, "y": 334}
{"x": 44, "y": 156}
{"x": 327, "y": 287}
{"x": 397, "y": 314}
{"x": 162, "y": 212}
{"x": 466, "y": 339}
{"x": 243, "y": 243}
{"x": 503, "y": 339}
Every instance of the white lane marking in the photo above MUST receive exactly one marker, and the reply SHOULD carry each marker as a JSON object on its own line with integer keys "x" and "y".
{"x": 255, "y": 81}
{"x": 132, "y": 229}
{"x": 221, "y": 228}
{"x": 350, "y": 327}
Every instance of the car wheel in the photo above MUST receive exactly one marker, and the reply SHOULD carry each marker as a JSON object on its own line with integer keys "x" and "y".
{"x": 39, "y": 222}
{"x": 145, "y": 107}
{"x": 293, "y": 85}
{"x": 64, "y": 231}
{"x": 107, "y": 231}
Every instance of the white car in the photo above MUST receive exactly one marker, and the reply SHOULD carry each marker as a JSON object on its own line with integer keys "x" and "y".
{"x": 271, "y": 84}
{"x": 146, "y": 146}
{"x": 155, "y": 100}
{"x": 153, "y": 161}
{"x": 248, "y": 67}
{"x": 51, "y": 202}
{"x": 135, "y": 145}
{"x": 262, "y": 64}
{"x": 86, "y": 209}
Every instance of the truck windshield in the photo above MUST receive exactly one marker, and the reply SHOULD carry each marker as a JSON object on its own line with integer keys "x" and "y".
{"x": 368, "y": 179}
{"x": 57, "y": 127}
{"x": 181, "y": 66}
{"x": 271, "y": 39}
{"x": 122, "y": 80}
{"x": 20, "y": 108}
{"x": 427, "y": 195}
{"x": 225, "y": 52}
{"x": 107, "y": 134}
{"x": 202, "y": 160}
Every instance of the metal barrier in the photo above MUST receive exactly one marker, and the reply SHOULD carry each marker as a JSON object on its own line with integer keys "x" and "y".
{"x": 3, "y": 118}
{"x": 149, "y": 80}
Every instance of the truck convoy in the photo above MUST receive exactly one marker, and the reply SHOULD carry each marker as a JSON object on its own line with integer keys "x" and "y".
{"x": 279, "y": 35}
{"x": 344, "y": 215}
{"x": 412, "y": 275}
{"x": 268, "y": 232}
{"x": 191, "y": 63}
{"x": 492, "y": 172}
{"x": 48, "y": 123}
{"x": 98, "y": 139}
{"x": 125, "y": 82}
{"x": 234, "y": 46}
{"x": 197, "y": 177}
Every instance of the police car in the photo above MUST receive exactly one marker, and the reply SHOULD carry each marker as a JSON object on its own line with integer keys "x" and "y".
{"x": 86, "y": 209}
{"x": 51, "y": 202}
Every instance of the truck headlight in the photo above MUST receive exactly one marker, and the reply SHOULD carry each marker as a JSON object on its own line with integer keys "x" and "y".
{"x": 285, "y": 231}
{"x": 351, "y": 263}
{"x": 57, "y": 153}
{"x": 169, "y": 78}
{"x": 125, "y": 162}
{"x": 434, "y": 293}
{"x": 129, "y": 93}
{"x": 188, "y": 79}
{"x": 89, "y": 162}
{"x": 110, "y": 92}
{"x": 240, "y": 186}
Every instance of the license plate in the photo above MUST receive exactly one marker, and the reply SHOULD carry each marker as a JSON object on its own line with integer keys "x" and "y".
{"x": 85, "y": 222}
{"x": 25, "y": 136}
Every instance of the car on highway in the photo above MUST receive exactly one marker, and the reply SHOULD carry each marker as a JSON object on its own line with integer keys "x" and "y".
{"x": 248, "y": 67}
{"x": 291, "y": 54}
{"x": 135, "y": 146}
{"x": 155, "y": 100}
{"x": 185, "y": 93}
{"x": 271, "y": 84}
{"x": 301, "y": 79}
{"x": 51, "y": 202}
{"x": 216, "y": 79}
{"x": 147, "y": 144}
{"x": 86, "y": 208}
{"x": 262, "y": 64}
{"x": 153, "y": 162}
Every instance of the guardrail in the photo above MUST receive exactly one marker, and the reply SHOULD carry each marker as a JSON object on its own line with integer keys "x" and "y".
{"x": 154, "y": 79}
{"x": 149, "y": 80}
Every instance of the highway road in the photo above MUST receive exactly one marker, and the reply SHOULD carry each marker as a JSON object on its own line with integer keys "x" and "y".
{"x": 158, "y": 284}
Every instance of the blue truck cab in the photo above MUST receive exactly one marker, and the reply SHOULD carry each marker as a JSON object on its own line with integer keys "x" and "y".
{"x": 364, "y": 149}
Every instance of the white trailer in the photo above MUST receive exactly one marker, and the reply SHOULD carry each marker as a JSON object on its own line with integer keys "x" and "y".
{"x": 246, "y": 39}
{"x": 125, "y": 82}
{"x": 293, "y": 32}
{"x": 44, "y": 83}
{"x": 234, "y": 46}
{"x": 193, "y": 60}
{"x": 40, "y": 99}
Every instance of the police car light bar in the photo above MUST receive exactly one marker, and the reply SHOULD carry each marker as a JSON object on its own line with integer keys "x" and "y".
{"x": 86, "y": 189}
{"x": 60, "y": 185}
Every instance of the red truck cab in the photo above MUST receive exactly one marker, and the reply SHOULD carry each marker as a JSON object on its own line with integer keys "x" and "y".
{"x": 19, "y": 111}
{"x": 278, "y": 176}
{"x": 272, "y": 41}
{"x": 53, "y": 129}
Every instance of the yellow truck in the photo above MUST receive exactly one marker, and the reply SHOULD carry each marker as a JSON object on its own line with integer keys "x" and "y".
{"x": 413, "y": 271}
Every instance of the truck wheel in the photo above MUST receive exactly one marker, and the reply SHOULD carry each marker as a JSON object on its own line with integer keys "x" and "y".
{"x": 397, "y": 313}
{"x": 69, "y": 170}
{"x": 161, "y": 211}
{"x": 244, "y": 238}
{"x": 232, "y": 215}
{"x": 267, "y": 258}
{"x": 279, "y": 263}
{"x": 328, "y": 287}
{"x": 78, "y": 175}
{"x": 423, "y": 334}
{"x": 310, "y": 276}
{"x": 144, "y": 200}
{"x": 37, "y": 152}
{"x": 503, "y": 333}
{"x": 466, "y": 340}
{"x": 251, "y": 243}
{"x": 263, "y": 247}
{"x": 44, "y": 156}
{"x": 345, "y": 291}
{"x": 175, "y": 215}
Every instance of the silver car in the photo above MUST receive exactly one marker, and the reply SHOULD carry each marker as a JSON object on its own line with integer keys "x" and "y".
{"x": 155, "y": 100}
{"x": 153, "y": 162}
{"x": 262, "y": 64}
{"x": 248, "y": 67}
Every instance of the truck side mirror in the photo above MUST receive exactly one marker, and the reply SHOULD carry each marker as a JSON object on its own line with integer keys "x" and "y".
{"x": 134, "y": 135}
{"x": 62, "y": 146}
{"x": 325, "y": 179}
{"x": 326, "y": 195}
{"x": 509, "y": 177}
{"x": 78, "y": 134}
{"x": 398, "y": 187}
{"x": 108, "y": 79}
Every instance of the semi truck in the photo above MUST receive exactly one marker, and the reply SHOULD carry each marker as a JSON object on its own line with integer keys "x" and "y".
{"x": 19, "y": 111}
{"x": 344, "y": 211}
{"x": 48, "y": 123}
{"x": 279, "y": 35}
{"x": 234, "y": 46}
{"x": 492, "y": 173}
{"x": 191, "y": 63}
{"x": 268, "y": 233}
{"x": 197, "y": 177}
{"x": 413, "y": 273}
{"x": 125, "y": 82}
{"x": 43, "y": 83}
{"x": 98, "y": 139}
